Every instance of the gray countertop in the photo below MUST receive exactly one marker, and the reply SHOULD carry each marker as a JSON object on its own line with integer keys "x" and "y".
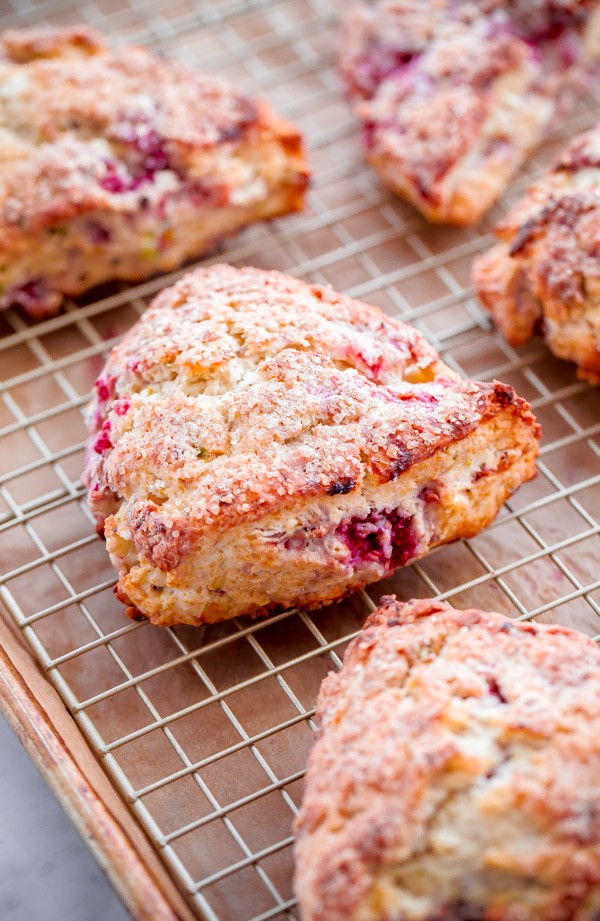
{"x": 46, "y": 871}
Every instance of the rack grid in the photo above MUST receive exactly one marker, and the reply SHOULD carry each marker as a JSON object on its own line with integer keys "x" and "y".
{"x": 205, "y": 732}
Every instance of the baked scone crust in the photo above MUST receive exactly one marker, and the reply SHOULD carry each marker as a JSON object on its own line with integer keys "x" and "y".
{"x": 542, "y": 277}
{"x": 120, "y": 164}
{"x": 455, "y": 773}
{"x": 454, "y": 96}
{"x": 259, "y": 443}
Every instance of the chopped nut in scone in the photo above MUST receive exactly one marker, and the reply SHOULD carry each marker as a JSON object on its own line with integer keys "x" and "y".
{"x": 259, "y": 443}
{"x": 543, "y": 276}
{"x": 454, "y": 96}
{"x": 120, "y": 164}
{"x": 455, "y": 773}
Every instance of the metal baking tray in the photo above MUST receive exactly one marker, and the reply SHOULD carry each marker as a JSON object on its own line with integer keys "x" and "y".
{"x": 180, "y": 753}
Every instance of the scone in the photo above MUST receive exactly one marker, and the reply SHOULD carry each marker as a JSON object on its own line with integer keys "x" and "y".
{"x": 543, "y": 277}
{"x": 259, "y": 443}
{"x": 455, "y": 776}
{"x": 453, "y": 96}
{"x": 118, "y": 165}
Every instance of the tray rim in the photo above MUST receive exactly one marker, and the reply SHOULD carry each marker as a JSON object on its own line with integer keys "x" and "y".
{"x": 58, "y": 748}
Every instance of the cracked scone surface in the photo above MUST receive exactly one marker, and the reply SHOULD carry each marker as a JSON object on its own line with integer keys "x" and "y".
{"x": 542, "y": 275}
{"x": 453, "y": 96}
{"x": 119, "y": 164}
{"x": 455, "y": 773}
{"x": 259, "y": 443}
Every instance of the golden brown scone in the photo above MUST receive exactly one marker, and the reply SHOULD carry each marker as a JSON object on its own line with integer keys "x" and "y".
{"x": 543, "y": 276}
{"x": 455, "y": 776}
{"x": 118, "y": 165}
{"x": 259, "y": 443}
{"x": 453, "y": 96}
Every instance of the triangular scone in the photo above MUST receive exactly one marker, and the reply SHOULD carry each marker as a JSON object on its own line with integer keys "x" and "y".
{"x": 455, "y": 774}
{"x": 453, "y": 96}
{"x": 544, "y": 276}
{"x": 120, "y": 164}
{"x": 259, "y": 443}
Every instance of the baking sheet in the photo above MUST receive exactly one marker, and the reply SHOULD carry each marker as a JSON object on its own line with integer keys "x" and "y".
{"x": 205, "y": 732}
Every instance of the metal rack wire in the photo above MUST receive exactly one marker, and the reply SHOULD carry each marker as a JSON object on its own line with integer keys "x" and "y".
{"x": 205, "y": 732}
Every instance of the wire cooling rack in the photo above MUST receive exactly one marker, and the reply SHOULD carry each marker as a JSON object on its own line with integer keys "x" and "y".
{"x": 205, "y": 732}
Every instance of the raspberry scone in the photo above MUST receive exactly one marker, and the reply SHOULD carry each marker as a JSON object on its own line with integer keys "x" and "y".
{"x": 543, "y": 276}
{"x": 453, "y": 96}
{"x": 455, "y": 773}
{"x": 118, "y": 165}
{"x": 258, "y": 443}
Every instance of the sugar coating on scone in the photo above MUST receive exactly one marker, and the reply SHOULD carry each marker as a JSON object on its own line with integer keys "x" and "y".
{"x": 119, "y": 164}
{"x": 455, "y": 773}
{"x": 259, "y": 443}
{"x": 453, "y": 96}
{"x": 542, "y": 277}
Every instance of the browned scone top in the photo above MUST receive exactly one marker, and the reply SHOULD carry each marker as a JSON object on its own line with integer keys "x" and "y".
{"x": 455, "y": 773}
{"x": 543, "y": 275}
{"x": 249, "y": 399}
{"x": 254, "y": 389}
{"x": 264, "y": 389}
{"x": 91, "y": 131}
{"x": 68, "y": 92}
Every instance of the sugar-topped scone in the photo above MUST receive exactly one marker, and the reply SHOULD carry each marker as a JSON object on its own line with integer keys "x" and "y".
{"x": 543, "y": 276}
{"x": 455, "y": 773}
{"x": 453, "y": 96}
{"x": 120, "y": 164}
{"x": 259, "y": 443}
